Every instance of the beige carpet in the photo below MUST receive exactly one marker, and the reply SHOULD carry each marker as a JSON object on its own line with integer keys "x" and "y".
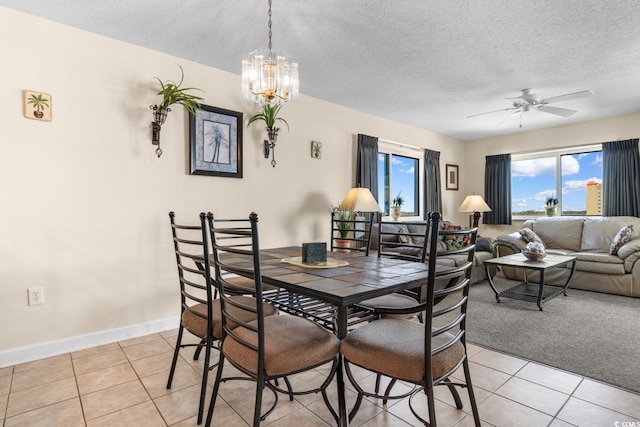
{"x": 591, "y": 334}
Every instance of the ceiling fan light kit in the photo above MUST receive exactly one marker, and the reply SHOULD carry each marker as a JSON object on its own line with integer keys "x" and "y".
{"x": 528, "y": 101}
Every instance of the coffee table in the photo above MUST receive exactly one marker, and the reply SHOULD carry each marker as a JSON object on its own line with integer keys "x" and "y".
{"x": 526, "y": 291}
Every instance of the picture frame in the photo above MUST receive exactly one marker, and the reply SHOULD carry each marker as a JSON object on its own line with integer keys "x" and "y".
{"x": 37, "y": 105}
{"x": 316, "y": 149}
{"x": 452, "y": 177}
{"x": 216, "y": 142}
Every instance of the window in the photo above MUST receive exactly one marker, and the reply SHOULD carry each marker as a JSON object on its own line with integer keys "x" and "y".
{"x": 571, "y": 175}
{"x": 399, "y": 173}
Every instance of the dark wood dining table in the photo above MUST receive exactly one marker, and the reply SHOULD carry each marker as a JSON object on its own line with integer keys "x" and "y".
{"x": 343, "y": 286}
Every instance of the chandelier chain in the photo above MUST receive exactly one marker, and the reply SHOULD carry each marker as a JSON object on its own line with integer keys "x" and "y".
{"x": 269, "y": 27}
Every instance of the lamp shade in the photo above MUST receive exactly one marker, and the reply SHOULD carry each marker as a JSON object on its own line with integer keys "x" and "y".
{"x": 474, "y": 203}
{"x": 360, "y": 199}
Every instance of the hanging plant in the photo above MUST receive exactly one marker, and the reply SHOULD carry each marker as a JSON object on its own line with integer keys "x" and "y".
{"x": 173, "y": 93}
{"x": 269, "y": 115}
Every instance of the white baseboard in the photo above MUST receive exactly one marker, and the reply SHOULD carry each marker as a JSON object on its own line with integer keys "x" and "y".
{"x": 53, "y": 348}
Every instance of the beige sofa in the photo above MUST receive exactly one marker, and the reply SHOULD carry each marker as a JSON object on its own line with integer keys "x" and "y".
{"x": 485, "y": 246}
{"x": 589, "y": 240}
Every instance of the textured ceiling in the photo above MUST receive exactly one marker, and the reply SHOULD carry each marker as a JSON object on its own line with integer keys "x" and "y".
{"x": 426, "y": 63}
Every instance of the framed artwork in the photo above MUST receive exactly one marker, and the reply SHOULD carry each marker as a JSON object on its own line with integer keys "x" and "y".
{"x": 316, "y": 149}
{"x": 37, "y": 105}
{"x": 452, "y": 177}
{"x": 216, "y": 142}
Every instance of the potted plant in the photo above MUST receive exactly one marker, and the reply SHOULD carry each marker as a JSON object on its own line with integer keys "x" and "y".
{"x": 344, "y": 222}
{"x": 269, "y": 115}
{"x": 173, "y": 93}
{"x": 552, "y": 206}
{"x": 396, "y": 206}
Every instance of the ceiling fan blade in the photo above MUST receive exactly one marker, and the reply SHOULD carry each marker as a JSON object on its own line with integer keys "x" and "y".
{"x": 567, "y": 97}
{"x": 508, "y": 117}
{"x": 564, "y": 112}
{"x": 494, "y": 111}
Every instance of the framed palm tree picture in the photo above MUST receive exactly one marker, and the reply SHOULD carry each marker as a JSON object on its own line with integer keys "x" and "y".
{"x": 216, "y": 142}
{"x": 37, "y": 105}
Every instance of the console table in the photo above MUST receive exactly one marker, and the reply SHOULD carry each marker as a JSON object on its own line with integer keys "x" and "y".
{"x": 526, "y": 291}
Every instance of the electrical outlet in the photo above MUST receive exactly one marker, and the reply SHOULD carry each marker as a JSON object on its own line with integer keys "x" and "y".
{"x": 36, "y": 295}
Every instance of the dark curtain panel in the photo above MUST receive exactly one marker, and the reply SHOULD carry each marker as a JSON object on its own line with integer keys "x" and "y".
{"x": 497, "y": 189}
{"x": 432, "y": 184}
{"x": 621, "y": 178}
{"x": 367, "y": 164}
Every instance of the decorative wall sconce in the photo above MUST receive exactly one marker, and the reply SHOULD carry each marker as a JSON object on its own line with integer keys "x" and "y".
{"x": 172, "y": 93}
{"x": 159, "y": 116}
{"x": 270, "y": 145}
{"x": 269, "y": 115}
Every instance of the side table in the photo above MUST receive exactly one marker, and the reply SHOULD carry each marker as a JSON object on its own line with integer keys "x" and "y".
{"x": 526, "y": 291}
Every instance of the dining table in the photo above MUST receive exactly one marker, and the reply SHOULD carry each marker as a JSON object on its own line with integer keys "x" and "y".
{"x": 342, "y": 282}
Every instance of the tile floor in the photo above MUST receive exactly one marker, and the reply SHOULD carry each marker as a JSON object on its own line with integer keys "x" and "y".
{"x": 124, "y": 384}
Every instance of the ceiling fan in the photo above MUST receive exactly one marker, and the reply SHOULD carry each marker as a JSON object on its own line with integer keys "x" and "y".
{"x": 529, "y": 100}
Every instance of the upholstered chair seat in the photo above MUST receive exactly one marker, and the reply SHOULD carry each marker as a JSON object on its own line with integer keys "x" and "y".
{"x": 245, "y": 285}
{"x": 197, "y": 323}
{"x": 292, "y": 344}
{"x": 395, "y": 348}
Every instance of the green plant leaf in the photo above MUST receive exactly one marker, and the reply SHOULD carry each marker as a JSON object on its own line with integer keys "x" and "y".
{"x": 173, "y": 93}
{"x": 269, "y": 115}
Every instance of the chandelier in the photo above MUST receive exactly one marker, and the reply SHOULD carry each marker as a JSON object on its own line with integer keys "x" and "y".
{"x": 269, "y": 77}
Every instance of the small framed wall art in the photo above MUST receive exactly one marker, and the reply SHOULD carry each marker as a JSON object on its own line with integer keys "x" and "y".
{"x": 452, "y": 177}
{"x": 216, "y": 142}
{"x": 37, "y": 105}
{"x": 316, "y": 149}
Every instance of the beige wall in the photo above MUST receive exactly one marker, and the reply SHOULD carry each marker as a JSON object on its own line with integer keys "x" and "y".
{"x": 611, "y": 129}
{"x": 85, "y": 200}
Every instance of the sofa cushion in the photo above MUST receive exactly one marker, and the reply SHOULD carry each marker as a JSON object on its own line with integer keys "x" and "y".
{"x": 419, "y": 228}
{"x": 530, "y": 236}
{"x": 561, "y": 232}
{"x": 404, "y": 238}
{"x": 599, "y": 263}
{"x": 456, "y": 241}
{"x": 480, "y": 257}
{"x": 391, "y": 228}
{"x": 598, "y": 257}
{"x": 622, "y": 237}
{"x": 598, "y": 233}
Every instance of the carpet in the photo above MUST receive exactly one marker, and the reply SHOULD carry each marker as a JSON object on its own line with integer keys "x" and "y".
{"x": 591, "y": 334}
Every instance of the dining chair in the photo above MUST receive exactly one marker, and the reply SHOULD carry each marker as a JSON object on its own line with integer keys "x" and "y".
{"x": 200, "y": 312}
{"x": 395, "y": 239}
{"x": 268, "y": 348}
{"x": 424, "y": 354}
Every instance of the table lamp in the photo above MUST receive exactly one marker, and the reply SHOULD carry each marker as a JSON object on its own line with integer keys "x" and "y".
{"x": 360, "y": 199}
{"x": 476, "y": 204}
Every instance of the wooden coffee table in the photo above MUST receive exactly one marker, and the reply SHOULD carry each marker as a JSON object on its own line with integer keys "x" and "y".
{"x": 526, "y": 291}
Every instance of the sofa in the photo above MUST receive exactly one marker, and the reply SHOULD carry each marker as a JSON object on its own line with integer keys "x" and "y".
{"x": 590, "y": 240}
{"x": 485, "y": 246}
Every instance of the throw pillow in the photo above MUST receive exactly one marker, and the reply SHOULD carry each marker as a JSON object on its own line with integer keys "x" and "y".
{"x": 530, "y": 236}
{"x": 485, "y": 244}
{"x": 456, "y": 241}
{"x": 403, "y": 238}
{"x": 623, "y": 236}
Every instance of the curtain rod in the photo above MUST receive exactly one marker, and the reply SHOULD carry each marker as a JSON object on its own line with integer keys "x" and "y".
{"x": 411, "y": 147}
